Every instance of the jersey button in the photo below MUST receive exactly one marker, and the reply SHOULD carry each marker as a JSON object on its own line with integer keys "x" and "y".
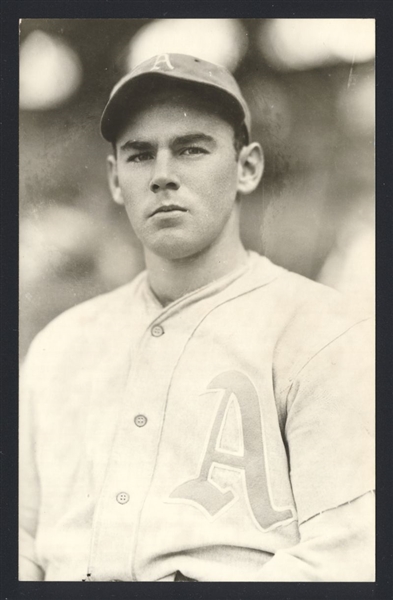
{"x": 157, "y": 331}
{"x": 140, "y": 420}
{"x": 122, "y": 498}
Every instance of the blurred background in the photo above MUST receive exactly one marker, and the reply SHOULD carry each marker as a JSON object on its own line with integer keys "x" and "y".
{"x": 310, "y": 87}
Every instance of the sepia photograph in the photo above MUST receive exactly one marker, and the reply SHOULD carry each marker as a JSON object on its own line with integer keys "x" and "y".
{"x": 197, "y": 300}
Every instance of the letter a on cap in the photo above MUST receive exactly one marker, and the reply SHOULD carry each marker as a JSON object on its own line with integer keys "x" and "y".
{"x": 162, "y": 59}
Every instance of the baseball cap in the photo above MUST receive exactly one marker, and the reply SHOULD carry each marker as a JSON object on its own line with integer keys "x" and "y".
{"x": 164, "y": 67}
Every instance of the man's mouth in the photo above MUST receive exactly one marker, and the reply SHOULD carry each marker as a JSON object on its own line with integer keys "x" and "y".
{"x": 168, "y": 208}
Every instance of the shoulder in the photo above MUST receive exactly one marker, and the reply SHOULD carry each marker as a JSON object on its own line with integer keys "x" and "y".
{"x": 301, "y": 300}
{"x": 310, "y": 318}
{"x": 320, "y": 314}
{"x": 86, "y": 321}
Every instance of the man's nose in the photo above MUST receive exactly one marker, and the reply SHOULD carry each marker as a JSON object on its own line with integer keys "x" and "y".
{"x": 164, "y": 176}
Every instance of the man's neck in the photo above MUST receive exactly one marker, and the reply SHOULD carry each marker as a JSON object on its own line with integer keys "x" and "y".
{"x": 172, "y": 279}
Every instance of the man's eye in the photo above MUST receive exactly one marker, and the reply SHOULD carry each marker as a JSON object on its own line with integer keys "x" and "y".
{"x": 193, "y": 150}
{"x": 141, "y": 157}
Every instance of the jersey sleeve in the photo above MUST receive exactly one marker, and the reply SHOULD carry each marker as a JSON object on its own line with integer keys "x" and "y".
{"x": 330, "y": 424}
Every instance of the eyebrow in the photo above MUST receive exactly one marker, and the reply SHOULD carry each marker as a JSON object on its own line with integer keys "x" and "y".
{"x": 190, "y": 138}
{"x": 135, "y": 145}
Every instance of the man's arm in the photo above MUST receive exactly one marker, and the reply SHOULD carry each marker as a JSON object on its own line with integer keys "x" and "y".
{"x": 329, "y": 432}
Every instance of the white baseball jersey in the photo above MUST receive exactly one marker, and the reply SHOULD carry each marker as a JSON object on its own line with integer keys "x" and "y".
{"x": 200, "y": 437}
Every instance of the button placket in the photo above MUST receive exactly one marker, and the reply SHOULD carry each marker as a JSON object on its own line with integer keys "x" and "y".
{"x": 126, "y": 467}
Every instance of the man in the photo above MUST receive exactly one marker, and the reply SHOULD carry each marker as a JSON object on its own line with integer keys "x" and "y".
{"x": 211, "y": 420}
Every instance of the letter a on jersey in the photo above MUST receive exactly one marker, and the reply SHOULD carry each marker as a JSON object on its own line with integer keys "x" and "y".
{"x": 252, "y": 462}
{"x": 162, "y": 63}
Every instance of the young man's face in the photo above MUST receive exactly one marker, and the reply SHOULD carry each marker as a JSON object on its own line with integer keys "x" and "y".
{"x": 176, "y": 172}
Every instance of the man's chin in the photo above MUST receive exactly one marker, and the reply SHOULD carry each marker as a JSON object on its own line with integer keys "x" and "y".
{"x": 174, "y": 248}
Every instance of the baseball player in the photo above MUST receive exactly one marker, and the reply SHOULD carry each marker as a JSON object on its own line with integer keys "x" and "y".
{"x": 212, "y": 420}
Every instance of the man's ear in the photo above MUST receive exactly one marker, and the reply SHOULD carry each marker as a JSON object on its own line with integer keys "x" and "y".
{"x": 250, "y": 168}
{"x": 114, "y": 180}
